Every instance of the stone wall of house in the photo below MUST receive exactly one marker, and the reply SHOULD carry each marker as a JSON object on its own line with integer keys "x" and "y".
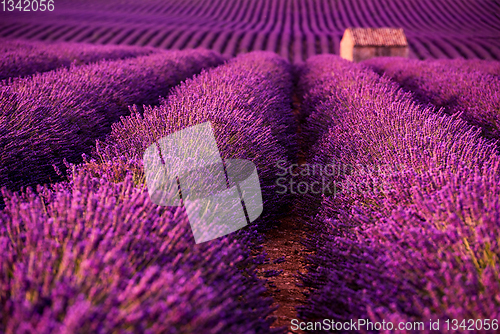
{"x": 360, "y": 53}
{"x": 346, "y": 48}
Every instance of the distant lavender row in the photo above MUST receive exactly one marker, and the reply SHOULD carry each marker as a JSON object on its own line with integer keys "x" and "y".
{"x": 60, "y": 114}
{"x": 20, "y": 58}
{"x": 95, "y": 256}
{"x": 414, "y": 243}
{"x": 471, "y": 65}
{"x": 247, "y": 102}
{"x": 453, "y": 85}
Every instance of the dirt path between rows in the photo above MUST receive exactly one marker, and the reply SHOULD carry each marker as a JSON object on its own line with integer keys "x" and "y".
{"x": 284, "y": 242}
{"x": 286, "y": 253}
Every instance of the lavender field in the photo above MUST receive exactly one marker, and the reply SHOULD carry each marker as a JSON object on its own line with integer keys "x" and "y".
{"x": 295, "y": 29}
{"x": 408, "y": 234}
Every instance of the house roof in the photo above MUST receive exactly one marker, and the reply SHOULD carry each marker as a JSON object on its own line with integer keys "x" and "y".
{"x": 377, "y": 36}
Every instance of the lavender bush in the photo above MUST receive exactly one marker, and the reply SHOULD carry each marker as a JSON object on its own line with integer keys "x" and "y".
{"x": 315, "y": 89}
{"x": 471, "y": 92}
{"x": 411, "y": 244}
{"x": 60, "y": 114}
{"x": 274, "y": 76}
{"x": 92, "y": 255}
{"x": 20, "y": 58}
{"x": 248, "y": 103}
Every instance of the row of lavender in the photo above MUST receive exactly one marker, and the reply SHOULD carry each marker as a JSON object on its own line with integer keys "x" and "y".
{"x": 248, "y": 103}
{"x": 412, "y": 232}
{"x": 94, "y": 254}
{"x": 59, "y": 114}
{"x": 21, "y": 58}
{"x": 469, "y": 88}
{"x": 348, "y": 13}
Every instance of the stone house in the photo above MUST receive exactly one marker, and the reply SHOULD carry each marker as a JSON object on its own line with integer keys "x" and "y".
{"x": 359, "y": 44}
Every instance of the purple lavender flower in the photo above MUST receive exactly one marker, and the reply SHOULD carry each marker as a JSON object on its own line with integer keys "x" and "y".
{"x": 60, "y": 114}
{"x": 93, "y": 255}
{"x": 419, "y": 244}
{"x": 459, "y": 86}
{"x": 247, "y": 103}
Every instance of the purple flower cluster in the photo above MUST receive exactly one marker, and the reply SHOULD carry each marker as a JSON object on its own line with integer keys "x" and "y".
{"x": 20, "y": 58}
{"x": 59, "y": 114}
{"x": 95, "y": 256}
{"x": 458, "y": 86}
{"x": 248, "y": 104}
{"x": 422, "y": 241}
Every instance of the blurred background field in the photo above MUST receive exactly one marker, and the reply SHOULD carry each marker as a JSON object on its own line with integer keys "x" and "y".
{"x": 295, "y": 29}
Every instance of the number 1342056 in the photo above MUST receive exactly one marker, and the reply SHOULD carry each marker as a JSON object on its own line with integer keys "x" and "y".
{"x": 28, "y": 5}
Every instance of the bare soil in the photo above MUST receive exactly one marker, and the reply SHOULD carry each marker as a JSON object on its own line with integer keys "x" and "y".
{"x": 285, "y": 242}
